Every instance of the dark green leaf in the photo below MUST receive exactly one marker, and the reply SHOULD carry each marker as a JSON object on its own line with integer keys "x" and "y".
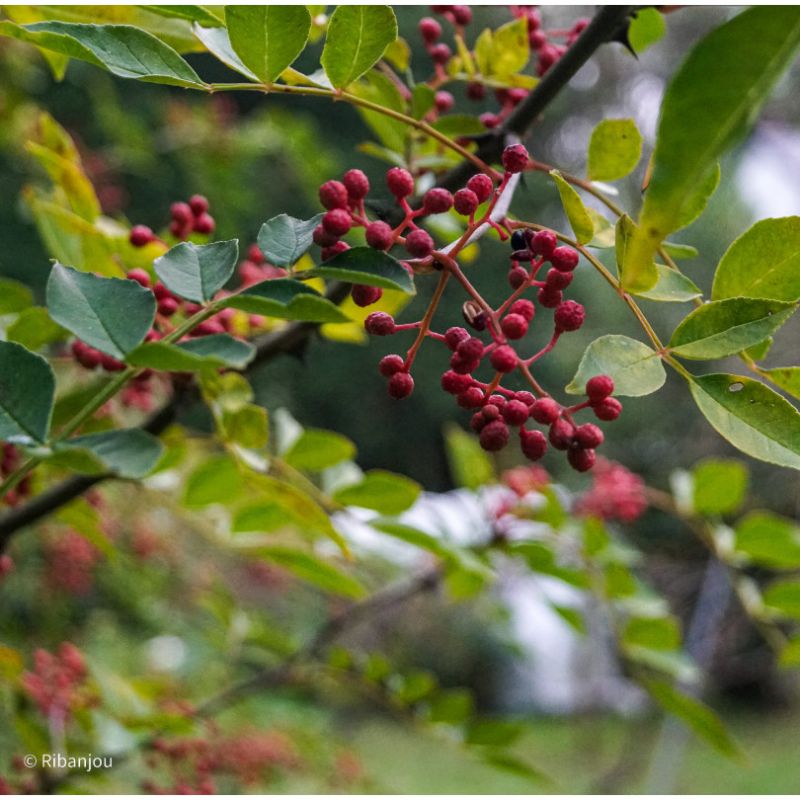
{"x": 123, "y": 50}
{"x": 381, "y": 491}
{"x": 763, "y": 262}
{"x": 422, "y": 100}
{"x": 218, "y": 43}
{"x": 750, "y": 416}
{"x": 356, "y": 39}
{"x": 268, "y": 38}
{"x": 285, "y": 298}
{"x": 614, "y": 149}
{"x": 709, "y": 104}
{"x": 720, "y": 486}
{"x": 27, "y": 390}
{"x": 217, "y": 350}
{"x": 672, "y": 287}
{"x": 318, "y": 449}
{"x": 367, "y": 266}
{"x": 111, "y": 314}
{"x": 130, "y": 453}
{"x": 725, "y": 327}
{"x": 283, "y": 239}
{"x": 635, "y": 368}
{"x": 197, "y": 271}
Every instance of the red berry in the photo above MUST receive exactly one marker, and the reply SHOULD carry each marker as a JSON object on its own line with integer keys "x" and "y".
{"x": 537, "y": 40}
{"x": 588, "y": 436}
{"x": 608, "y": 409}
{"x": 336, "y": 222}
{"x": 564, "y": 259}
{"x": 465, "y": 202}
{"x": 379, "y": 323}
{"x": 379, "y": 235}
{"x": 440, "y": 53}
{"x": 476, "y": 91}
{"x": 161, "y": 291}
{"x": 471, "y": 348}
{"x": 453, "y": 383}
{"x": 478, "y": 421}
{"x": 437, "y": 201}
{"x": 462, "y": 15}
{"x": 533, "y": 444}
{"x": 560, "y": 434}
{"x": 179, "y": 230}
{"x": 140, "y": 276}
{"x": 364, "y": 296}
{"x": 6, "y": 565}
{"x": 489, "y": 120}
{"x": 599, "y": 387}
{"x": 444, "y": 102}
{"x": 430, "y": 30}
{"x": 545, "y": 410}
{"x": 168, "y": 306}
{"x": 463, "y": 365}
{"x": 255, "y": 255}
{"x": 198, "y": 204}
{"x": 494, "y": 436}
{"x": 401, "y": 384}
{"x": 470, "y": 398}
{"x": 524, "y": 308}
{"x": 543, "y": 243}
{"x": 400, "y": 182}
{"x": 504, "y": 358}
{"x": 181, "y": 213}
{"x": 482, "y": 186}
{"x": 390, "y": 364}
{"x": 329, "y": 252}
{"x": 517, "y": 276}
{"x": 514, "y": 326}
{"x": 517, "y": 95}
{"x": 419, "y": 243}
{"x": 525, "y": 397}
{"x": 454, "y": 336}
{"x": 490, "y": 412}
{"x": 141, "y": 235}
{"x": 515, "y": 158}
{"x": 549, "y": 297}
{"x": 580, "y": 459}
{"x": 558, "y": 280}
{"x": 569, "y": 316}
{"x": 333, "y": 194}
{"x": 497, "y": 400}
{"x": 515, "y": 412}
{"x": 356, "y": 183}
{"x": 204, "y": 223}
{"x": 322, "y": 238}
{"x": 110, "y": 364}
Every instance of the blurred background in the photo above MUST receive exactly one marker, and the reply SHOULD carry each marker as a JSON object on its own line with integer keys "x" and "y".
{"x": 146, "y": 146}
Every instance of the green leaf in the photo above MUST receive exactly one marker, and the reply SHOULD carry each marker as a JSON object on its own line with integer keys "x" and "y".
{"x": 787, "y": 378}
{"x": 784, "y": 597}
{"x": 422, "y": 100}
{"x": 614, "y": 149}
{"x": 130, "y": 453}
{"x": 317, "y": 449}
{"x": 469, "y": 464}
{"x": 494, "y": 732}
{"x": 680, "y": 251}
{"x": 647, "y": 277}
{"x": 769, "y": 540}
{"x": 111, "y": 314}
{"x": 509, "y": 50}
{"x": 367, "y": 266}
{"x": 217, "y": 350}
{"x": 14, "y": 296}
{"x": 451, "y": 707}
{"x": 790, "y": 655}
{"x": 191, "y": 13}
{"x": 123, "y": 50}
{"x": 760, "y": 350}
{"x": 725, "y": 327}
{"x": 455, "y": 125}
{"x": 695, "y": 204}
{"x": 34, "y": 328}
{"x": 283, "y": 239}
{"x": 381, "y": 90}
{"x": 750, "y": 416}
{"x": 763, "y": 262}
{"x": 357, "y": 37}
{"x": 284, "y": 298}
{"x": 720, "y": 486}
{"x": 646, "y": 28}
{"x": 574, "y": 208}
{"x": 246, "y": 426}
{"x": 312, "y": 569}
{"x": 711, "y": 101}
{"x": 413, "y": 536}
{"x": 381, "y": 491}
{"x": 657, "y": 633}
{"x": 672, "y": 287}
{"x": 197, "y": 271}
{"x": 268, "y": 38}
{"x": 218, "y": 43}
{"x": 27, "y": 391}
{"x": 635, "y": 368}
{"x": 216, "y": 480}
{"x": 702, "y": 721}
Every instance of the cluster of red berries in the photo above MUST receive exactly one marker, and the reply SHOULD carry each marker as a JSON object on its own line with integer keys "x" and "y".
{"x": 616, "y": 493}
{"x": 71, "y": 559}
{"x": 255, "y": 268}
{"x": 57, "y": 684}
{"x": 431, "y": 31}
{"x": 10, "y": 460}
{"x": 185, "y": 219}
{"x": 248, "y": 757}
{"x": 541, "y": 41}
{"x": 496, "y": 408}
